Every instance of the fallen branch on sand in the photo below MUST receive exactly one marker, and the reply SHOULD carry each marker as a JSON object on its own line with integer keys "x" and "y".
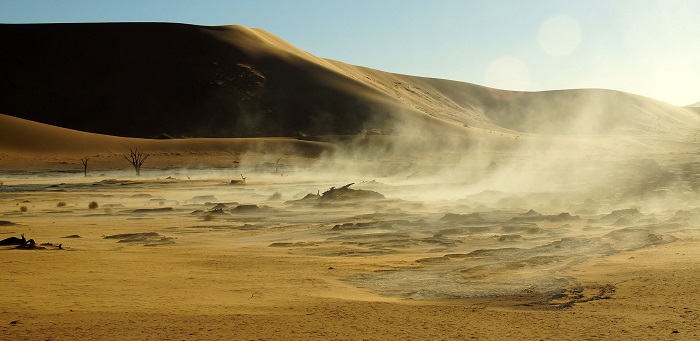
{"x": 27, "y": 244}
{"x": 238, "y": 182}
{"x": 346, "y": 193}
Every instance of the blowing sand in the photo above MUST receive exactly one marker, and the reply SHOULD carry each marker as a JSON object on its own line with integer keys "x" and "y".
{"x": 182, "y": 253}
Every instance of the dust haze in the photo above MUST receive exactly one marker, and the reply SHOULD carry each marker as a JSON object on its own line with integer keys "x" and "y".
{"x": 482, "y": 213}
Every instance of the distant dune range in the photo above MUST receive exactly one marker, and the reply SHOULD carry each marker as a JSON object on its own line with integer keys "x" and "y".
{"x": 145, "y": 79}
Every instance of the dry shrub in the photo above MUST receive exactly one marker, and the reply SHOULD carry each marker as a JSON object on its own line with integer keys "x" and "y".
{"x": 61, "y": 204}
{"x": 23, "y": 208}
{"x": 93, "y": 205}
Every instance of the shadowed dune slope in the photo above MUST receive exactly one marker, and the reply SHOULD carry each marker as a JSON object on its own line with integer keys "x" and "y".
{"x": 143, "y": 79}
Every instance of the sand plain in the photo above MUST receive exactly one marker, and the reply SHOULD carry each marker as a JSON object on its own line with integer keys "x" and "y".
{"x": 181, "y": 253}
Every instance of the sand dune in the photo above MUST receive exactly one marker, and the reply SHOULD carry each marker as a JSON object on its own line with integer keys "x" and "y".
{"x": 141, "y": 80}
{"x": 144, "y": 79}
{"x": 30, "y": 144}
{"x": 695, "y": 108}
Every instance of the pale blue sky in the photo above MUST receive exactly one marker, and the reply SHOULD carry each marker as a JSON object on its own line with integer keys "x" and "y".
{"x": 648, "y": 47}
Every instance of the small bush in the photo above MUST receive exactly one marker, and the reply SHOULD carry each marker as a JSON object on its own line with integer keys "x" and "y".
{"x": 61, "y": 204}
{"x": 23, "y": 208}
{"x": 93, "y": 205}
{"x": 163, "y": 136}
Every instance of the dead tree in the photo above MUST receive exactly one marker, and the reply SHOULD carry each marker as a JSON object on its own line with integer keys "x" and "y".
{"x": 85, "y": 163}
{"x": 136, "y": 158}
{"x": 277, "y": 164}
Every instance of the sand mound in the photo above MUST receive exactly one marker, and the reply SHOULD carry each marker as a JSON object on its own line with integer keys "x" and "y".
{"x": 153, "y": 210}
{"x": 146, "y": 238}
{"x": 20, "y": 135}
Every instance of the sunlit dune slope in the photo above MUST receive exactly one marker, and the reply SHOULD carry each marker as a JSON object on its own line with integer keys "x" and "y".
{"x": 20, "y": 135}
{"x": 575, "y": 111}
{"x": 694, "y": 107}
{"x": 143, "y": 79}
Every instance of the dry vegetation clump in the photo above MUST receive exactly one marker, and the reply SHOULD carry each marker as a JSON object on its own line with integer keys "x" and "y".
{"x": 61, "y": 204}
{"x": 23, "y": 209}
{"x": 93, "y": 205}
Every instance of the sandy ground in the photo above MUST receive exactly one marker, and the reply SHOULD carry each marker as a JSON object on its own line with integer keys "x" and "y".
{"x": 360, "y": 268}
{"x": 251, "y": 294}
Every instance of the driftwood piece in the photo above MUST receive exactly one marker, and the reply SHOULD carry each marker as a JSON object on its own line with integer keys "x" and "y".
{"x": 238, "y": 182}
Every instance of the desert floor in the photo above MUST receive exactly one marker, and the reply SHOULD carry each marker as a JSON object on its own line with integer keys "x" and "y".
{"x": 181, "y": 253}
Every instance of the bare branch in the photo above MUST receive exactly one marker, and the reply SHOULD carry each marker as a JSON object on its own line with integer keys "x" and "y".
{"x": 136, "y": 158}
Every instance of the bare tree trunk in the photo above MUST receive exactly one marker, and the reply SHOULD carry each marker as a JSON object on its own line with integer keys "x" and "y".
{"x": 277, "y": 164}
{"x": 85, "y": 164}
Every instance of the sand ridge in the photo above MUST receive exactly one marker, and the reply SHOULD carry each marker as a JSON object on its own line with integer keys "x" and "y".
{"x": 19, "y": 135}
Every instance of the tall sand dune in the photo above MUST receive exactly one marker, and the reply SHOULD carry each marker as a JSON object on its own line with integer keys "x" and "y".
{"x": 144, "y": 79}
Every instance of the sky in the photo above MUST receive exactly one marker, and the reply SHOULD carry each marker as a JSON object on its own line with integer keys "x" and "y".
{"x": 646, "y": 47}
